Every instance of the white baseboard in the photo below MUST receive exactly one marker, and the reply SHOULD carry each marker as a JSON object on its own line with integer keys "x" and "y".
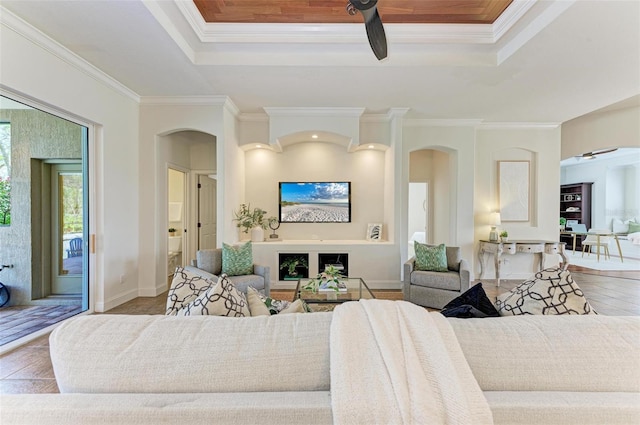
{"x": 116, "y": 301}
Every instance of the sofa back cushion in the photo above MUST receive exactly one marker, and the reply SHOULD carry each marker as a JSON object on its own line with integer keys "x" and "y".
{"x": 453, "y": 258}
{"x": 552, "y": 353}
{"x": 200, "y": 354}
{"x": 210, "y": 260}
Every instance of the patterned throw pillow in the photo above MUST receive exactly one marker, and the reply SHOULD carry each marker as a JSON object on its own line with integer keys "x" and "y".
{"x": 223, "y": 299}
{"x": 259, "y": 305}
{"x": 431, "y": 258}
{"x": 551, "y": 291}
{"x": 185, "y": 287}
{"x": 237, "y": 260}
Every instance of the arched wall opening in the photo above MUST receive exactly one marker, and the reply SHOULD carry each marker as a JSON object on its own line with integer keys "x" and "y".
{"x": 183, "y": 158}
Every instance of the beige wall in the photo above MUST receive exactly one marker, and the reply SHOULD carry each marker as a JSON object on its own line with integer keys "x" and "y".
{"x": 600, "y": 130}
{"x": 317, "y": 161}
{"x": 452, "y": 174}
{"x": 540, "y": 146}
{"x": 165, "y": 132}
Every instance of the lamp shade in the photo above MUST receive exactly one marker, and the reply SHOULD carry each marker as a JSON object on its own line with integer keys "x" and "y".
{"x": 494, "y": 219}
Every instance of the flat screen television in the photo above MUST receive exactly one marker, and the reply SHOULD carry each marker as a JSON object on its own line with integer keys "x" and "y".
{"x": 315, "y": 202}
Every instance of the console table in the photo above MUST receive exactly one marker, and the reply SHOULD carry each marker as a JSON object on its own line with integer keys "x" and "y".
{"x": 497, "y": 248}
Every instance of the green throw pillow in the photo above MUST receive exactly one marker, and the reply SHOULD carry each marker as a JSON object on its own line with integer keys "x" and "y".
{"x": 634, "y": 227}
{"x": 431, "y": 258}
{"x": 237, "y": 260}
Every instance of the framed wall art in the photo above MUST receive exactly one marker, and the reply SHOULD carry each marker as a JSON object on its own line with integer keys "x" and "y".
{"x": 374, "y": 232}
{"x": 514, "y": 190}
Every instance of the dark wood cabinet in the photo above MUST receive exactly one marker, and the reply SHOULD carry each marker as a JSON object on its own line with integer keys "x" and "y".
{"x": 575, "y": 206}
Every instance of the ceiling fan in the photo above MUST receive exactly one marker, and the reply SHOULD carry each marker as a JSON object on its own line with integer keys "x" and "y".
{"x": 372, "y": 23}
{"x": 592, "y": 155}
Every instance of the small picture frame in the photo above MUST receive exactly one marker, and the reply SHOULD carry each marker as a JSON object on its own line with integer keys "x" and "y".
{"x": 374, "y": 232}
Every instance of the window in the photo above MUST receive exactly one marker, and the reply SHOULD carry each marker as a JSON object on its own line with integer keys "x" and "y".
{"x": 5, "y": 174}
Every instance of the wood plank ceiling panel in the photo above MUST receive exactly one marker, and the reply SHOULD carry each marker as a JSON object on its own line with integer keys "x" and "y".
{"x": 334, "y": 11}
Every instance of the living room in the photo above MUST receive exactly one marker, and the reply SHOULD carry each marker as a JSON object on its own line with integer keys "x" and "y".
{"x": 139, "y": 78}
{"x": 129, "y": 186}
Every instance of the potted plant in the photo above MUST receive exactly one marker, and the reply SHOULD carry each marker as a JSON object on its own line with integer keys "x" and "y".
{"x": 563, "y": 223}
{"x": 504, "y": 236}
{"x": 172, "y": 231}
{"x": 292, "y": 263}
{"x": 328, "y": 279}
{"x": 251, "y": 219}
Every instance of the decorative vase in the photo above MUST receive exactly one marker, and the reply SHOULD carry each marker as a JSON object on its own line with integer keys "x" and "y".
{"x": 257, "y": 234}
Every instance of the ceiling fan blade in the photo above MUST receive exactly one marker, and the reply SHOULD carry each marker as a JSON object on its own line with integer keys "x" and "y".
{"x": 375, "y": 32}
{"x": 373, "y": 25}
{"x": 603, "y": 151}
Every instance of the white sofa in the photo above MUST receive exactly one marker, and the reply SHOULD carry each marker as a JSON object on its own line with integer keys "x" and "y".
{"x": 217, "y": 370}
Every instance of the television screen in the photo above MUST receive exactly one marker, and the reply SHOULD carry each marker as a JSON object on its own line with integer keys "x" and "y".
{"x": 315, "y": 202}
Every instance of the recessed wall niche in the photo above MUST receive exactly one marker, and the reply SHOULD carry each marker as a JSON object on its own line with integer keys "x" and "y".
{"x": 293, "y": 266}
{"x": 339, "y": 260}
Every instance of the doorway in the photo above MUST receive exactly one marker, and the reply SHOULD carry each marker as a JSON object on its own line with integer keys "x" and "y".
{"x": 418, "y": 219}
{"x": 176, "y": 193}
{"x": 207, "y": 222}
{"x": 67, "y": 230}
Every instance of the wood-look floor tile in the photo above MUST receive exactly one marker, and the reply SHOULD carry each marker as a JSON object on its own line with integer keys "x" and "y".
{"x": 28, "y": 386}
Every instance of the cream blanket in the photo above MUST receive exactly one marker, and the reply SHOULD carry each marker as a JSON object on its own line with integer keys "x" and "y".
{"x": 393, "y": 362}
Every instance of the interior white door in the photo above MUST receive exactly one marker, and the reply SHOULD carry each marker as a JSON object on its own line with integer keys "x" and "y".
{"x": 418, "y": 213}
{"x": 207, "y": 222}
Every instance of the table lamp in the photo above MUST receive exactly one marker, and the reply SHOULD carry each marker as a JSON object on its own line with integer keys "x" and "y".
{"x": 494, "y": 220}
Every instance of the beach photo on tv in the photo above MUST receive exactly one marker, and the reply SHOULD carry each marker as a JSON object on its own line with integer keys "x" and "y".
{"x": 315, "y": 202}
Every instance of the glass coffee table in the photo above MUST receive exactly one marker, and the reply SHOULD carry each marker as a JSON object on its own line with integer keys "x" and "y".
{"x": 356, "y": 289}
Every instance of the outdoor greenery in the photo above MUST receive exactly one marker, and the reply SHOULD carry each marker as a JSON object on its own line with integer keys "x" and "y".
{"x": 72, "y": 203}
{"x": 5, "y": 174}
{"x": 5, "y": 201}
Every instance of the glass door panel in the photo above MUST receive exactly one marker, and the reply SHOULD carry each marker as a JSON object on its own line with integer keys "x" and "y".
{"x": 69, "y": 245}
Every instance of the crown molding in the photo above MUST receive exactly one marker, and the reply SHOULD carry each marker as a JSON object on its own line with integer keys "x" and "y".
{"x": 422, "y": 122}
{"x": 314, "y": 112}
{"x": 511, "y": 15}
{"x": 224, "y": 32}
{"x": 185, "y": 100}
{"x": 517, "y": 125}
{"x": 21, "y": 27}
{"x": 167, "y": 23}
{"x": 253, "y": 117}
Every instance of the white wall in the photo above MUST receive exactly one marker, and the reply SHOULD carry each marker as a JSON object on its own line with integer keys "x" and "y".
{"x": 113, "y": 112}
{"x": 318, "y": 161}
{"x": 539, "y": 145}
{"x": 160, "y": 118}
{"x": 453, "y": 197}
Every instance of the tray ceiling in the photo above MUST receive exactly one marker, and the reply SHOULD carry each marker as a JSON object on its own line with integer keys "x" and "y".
{"x": 334, "y": 11}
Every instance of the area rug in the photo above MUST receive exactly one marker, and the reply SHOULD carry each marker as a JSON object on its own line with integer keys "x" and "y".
{"x": 591, "y": 262}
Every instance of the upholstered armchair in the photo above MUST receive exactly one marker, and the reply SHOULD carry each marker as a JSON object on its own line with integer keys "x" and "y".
{"x": 435, "y": 289}
{"x": 208, "y": 263}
